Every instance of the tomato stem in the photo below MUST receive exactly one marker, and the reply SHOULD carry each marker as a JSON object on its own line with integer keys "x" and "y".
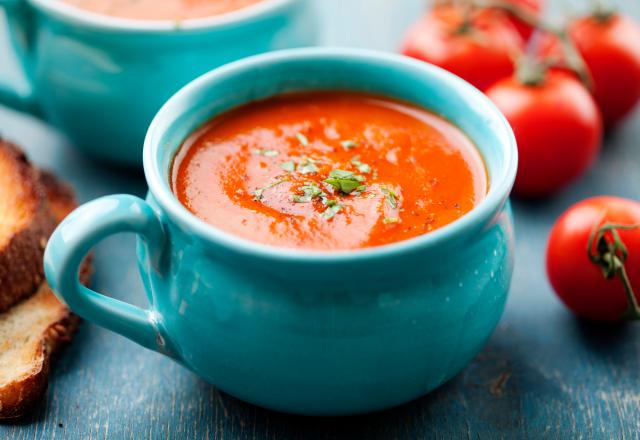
{"x": 603, "y": 10}
{"x": 573, "y": 59}
{"x": 610, "y": 255}
{"x": 532, "y": 76}
{"x": 467, "y": 16}
{"x": 530, "y": 71}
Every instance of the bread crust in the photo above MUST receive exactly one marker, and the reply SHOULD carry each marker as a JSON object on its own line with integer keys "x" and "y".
{"x": 21, "y": 394}
{"x": 49, "y": 325}
{"x": 25, "y": 224}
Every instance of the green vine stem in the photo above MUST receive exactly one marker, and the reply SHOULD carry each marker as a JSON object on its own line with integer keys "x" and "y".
{"x": 606, "y": 250}
{"x": 603, "y": 10}
{"x": 530, "y": 69}
{"x": 467, "y": 16}
{"x": 573, "y": 59}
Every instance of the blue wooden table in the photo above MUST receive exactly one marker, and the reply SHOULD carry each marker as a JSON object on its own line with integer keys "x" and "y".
{"x": 543, "y": 374}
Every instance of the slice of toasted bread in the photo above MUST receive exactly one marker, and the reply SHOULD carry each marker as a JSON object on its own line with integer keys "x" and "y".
{"x": 33, "y": 330}
{"x": 29, "y": 334}
{"x": 25, "y": 224}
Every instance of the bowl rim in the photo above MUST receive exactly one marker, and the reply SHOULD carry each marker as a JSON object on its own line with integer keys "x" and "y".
{"x": 482, "y": 214}
{"x": 78, "y": 16}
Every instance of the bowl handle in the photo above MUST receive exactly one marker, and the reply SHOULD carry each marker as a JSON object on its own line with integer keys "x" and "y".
{"x": 69, "y": 246}
{"x": 16, "y": 87}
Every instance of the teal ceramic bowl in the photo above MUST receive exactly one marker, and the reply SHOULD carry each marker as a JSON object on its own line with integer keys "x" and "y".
{"x": 320, "y": 333}
{"x": 100, "y": 79}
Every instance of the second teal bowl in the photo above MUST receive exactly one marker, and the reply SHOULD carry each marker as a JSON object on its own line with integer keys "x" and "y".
{"x": 101, "y": 79}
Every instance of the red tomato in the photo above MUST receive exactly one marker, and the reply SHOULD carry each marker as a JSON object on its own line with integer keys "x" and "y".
{"x": 611, "y": 49}
{"x": 481, "y": 54}
{"x": 557, "y": 126}
{"x": 579, "y": 282}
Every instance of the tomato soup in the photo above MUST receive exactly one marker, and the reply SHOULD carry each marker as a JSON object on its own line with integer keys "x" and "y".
{"x": 161, "y": 9}
{"x": 329, "y": 171}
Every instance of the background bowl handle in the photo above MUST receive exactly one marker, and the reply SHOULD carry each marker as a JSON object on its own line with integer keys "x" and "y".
{"x": 17, "y": 28}
{"x": 72, "y": 241}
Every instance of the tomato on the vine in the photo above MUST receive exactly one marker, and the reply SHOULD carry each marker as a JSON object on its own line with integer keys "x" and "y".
{"x": 557, "y": 126}
{"x": 610, "y": 46}
{"x": 478, "y": 46}
{"x": 588, "y": 289}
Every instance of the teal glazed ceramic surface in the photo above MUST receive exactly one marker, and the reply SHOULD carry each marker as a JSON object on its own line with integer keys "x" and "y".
{"x": 320, "y": 333}
{"x": 101, "y": 79}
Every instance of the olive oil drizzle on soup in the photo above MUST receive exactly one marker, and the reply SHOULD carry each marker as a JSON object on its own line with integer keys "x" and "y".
{"x": 161, "y": 9}
{"x": 329, "y": 171}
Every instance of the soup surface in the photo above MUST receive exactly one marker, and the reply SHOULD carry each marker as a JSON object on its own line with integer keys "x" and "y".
{"x": 161, "y": 9}
{"x": 329, "y": 171}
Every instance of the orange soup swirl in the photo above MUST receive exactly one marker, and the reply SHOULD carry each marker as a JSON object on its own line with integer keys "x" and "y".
{"x": 161, "y": 9}
{"x": 329, "y": 171}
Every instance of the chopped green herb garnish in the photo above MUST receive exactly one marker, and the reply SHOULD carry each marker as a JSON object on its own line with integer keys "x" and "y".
{"x": 288, "y": 166}
{"x": 344, "y": 181}
{"x": 310, "y": 191}
{"x": 258, "y": 193}
{"x": 362, "y": 167}
{"x": 265, "y": 152}
{"x": 348, "y": 145}
{"x": 331, "y": 210}
{"x": 392, "y": 197}
{"x": 361, "y": 188}
{"x": 307, "y": 166}
{"x": 303, "y": 139}
{"x": 390, "y": 220}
